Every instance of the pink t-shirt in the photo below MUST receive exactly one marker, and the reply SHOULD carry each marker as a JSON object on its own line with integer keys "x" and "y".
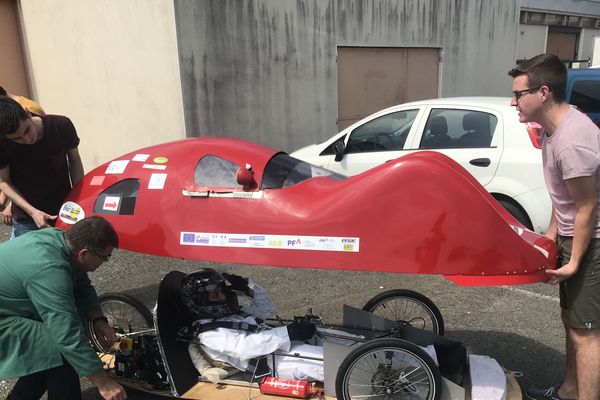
{"x": 572, "y": 151}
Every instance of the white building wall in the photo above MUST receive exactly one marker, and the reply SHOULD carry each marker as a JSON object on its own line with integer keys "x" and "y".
{"x": 586, "y": 44}
{"x": 531, "y": 41}
{"x": 109, "y": 65}
{"x": 596, "y": 52}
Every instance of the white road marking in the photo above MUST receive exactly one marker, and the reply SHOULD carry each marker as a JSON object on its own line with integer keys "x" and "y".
{"x": 532, "y": 294}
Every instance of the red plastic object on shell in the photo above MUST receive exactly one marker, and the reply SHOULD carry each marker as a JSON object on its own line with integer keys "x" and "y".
{"x": 420, "y": 214}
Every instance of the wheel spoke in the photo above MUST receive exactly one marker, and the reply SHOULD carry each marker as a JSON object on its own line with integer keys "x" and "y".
{"x": 125, "y": 315}
{"x": 406, "y": 309}
{"x": 388, "y": 374}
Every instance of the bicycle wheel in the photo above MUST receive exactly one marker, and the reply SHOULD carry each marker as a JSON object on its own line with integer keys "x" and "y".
{"x": 125, "y": 314}
{"x": 388, "y": 369}
{"x": 408, "y": 307}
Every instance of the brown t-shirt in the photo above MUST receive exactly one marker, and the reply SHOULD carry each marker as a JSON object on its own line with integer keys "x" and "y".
{"x": 40, "y": 170}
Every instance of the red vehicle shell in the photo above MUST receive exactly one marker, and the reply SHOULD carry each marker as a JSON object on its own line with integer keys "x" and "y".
{"x": 421, "y": 214}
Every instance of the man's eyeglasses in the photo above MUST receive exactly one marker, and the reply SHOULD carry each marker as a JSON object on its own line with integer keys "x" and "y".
{"x": 517, "y": 94}
{"x": 99, "y": 255}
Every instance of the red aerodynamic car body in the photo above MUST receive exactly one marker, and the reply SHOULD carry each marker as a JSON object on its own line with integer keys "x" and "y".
{"x": 230, "y": 200}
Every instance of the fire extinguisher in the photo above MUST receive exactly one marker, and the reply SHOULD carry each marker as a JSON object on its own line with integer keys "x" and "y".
{"x": 300, "y": 389}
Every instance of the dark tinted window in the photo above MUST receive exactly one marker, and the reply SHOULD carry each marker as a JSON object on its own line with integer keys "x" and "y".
{"x": 453, "y": 128}
{"x": 119, "y": 198}
{"x": 386, "y": 133}
{"x": 586, "y": 96}
{"x": 283, "y": 171}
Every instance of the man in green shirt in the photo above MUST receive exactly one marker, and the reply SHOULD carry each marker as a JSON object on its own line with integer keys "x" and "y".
{"x": 43, "y": 291}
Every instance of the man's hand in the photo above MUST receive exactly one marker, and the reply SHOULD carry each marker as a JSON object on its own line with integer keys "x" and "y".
{"x": 7, "y": 214}
{"x": 562, "y": 273}
{"x": 41, "y": 218}
{"x": 108, "y": 388}
{"x": 237, "y": 282}
{"x": 105, "y": 333}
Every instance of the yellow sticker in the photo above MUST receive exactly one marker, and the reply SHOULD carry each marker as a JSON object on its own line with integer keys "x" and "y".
{"x": 160, "y": 160}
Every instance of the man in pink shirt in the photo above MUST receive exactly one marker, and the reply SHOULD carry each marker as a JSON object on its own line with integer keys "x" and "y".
{"x": 571, "y": 157}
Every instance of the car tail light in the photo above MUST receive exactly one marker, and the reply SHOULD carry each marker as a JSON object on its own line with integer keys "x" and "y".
{"x": 534, "y": 130}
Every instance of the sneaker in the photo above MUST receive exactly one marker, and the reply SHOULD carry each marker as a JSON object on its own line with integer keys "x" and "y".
{"x": 543, "y": 394}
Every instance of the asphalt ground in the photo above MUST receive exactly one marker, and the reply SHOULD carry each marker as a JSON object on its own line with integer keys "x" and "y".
{"x": 519, "y": 325}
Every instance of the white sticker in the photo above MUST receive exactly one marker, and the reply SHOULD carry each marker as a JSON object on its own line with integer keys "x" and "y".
{"x": 157, "y": 181}
{"x": 111, "y": 203}
{"x": 117, "y": 167}
{"x": 140, "y": 157}
{"x": 154, "y": 166}
{"x": 284, "y": 242}
{"x": 71, "y": 212}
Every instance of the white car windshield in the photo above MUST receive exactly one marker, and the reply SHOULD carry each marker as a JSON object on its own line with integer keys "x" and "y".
{"x": 284, "y": 171}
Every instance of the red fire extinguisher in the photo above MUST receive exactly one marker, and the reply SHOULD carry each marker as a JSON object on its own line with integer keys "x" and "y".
{"x": 300, "y": 389}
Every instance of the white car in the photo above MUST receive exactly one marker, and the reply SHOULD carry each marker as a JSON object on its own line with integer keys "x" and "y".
{"x": 483, "y": 134}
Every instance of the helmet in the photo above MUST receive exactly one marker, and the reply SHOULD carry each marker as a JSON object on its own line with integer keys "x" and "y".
{"x": 195, "y": 289}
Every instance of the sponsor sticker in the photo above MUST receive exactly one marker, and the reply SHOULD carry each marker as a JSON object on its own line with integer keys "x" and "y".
{"x": 285, "y": 242}
{"x": 188, "y": 237}
{"x": 70, "y": 213}
{"x": 202, "y": 239}
{"x": 160, "y": 160}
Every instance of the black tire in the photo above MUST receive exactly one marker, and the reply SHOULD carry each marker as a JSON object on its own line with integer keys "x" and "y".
{"x": 517, "y": 212}
{"x": 388, "y": 369}
{"x": 408, "y": 307}
{"x": 125, "y": 314}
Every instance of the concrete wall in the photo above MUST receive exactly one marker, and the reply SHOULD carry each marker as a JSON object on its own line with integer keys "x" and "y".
{"x": 111, "y": 66}
{"x": 263, "y": 70}
{"x": 266, "y": 69}
{"x": 532, "y": 41}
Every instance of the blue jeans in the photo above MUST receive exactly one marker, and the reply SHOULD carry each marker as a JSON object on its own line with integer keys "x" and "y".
{"x": 20, "y": 227}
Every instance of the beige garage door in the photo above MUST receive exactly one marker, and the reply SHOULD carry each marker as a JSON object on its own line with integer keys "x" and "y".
{"x": 370, "y": 79}
{"x": 13, "y": 72}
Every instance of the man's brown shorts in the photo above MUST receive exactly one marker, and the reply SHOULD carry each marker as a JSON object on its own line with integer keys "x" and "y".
{"x": 580, "y": 294}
